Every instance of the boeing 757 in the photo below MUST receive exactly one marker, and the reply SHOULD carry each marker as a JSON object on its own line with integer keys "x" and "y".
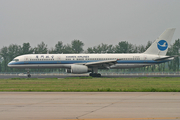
{"x": 90, "y": 63}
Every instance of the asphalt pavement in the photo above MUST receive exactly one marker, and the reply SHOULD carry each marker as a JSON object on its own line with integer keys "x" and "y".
{"x": 89, "y": 105}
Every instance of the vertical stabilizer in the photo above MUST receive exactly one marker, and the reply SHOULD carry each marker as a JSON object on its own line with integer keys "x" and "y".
{"x": 160, "y": 46}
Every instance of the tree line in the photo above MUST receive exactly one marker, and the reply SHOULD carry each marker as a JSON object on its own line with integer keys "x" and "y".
{"x": 7, "y": 53}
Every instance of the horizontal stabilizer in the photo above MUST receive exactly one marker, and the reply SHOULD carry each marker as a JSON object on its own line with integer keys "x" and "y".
{"x": 165, "y": 58}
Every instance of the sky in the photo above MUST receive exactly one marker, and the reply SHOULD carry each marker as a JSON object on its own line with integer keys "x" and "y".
{"x": 91, "y": 21}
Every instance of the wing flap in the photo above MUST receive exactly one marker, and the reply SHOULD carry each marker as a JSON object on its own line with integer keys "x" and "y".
{"x": 104, "y": 63}
{"x": 101, "y": 62}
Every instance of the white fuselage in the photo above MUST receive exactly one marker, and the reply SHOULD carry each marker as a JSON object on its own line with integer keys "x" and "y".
{"x": 83, "y": 63}
{"x": 66, "y": 60}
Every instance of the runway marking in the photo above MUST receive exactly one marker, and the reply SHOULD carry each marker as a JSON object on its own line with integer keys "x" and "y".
{"x": 161, "y": 118}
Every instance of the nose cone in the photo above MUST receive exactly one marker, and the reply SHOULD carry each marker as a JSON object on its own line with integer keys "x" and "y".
{"x": 10, "y": 64}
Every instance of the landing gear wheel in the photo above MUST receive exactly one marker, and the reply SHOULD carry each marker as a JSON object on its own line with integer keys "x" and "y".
{"x": 95, "y": 74}
{"x": 98, "y": 75}
{"x": 90, "y": 74}
{"x": 29, "y": 76}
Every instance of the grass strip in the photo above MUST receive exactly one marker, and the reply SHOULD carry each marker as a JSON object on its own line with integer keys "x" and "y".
{"x": 89, "y": 84}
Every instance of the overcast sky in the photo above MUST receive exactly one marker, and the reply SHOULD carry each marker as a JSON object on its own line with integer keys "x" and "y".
{"x": 91, "y": 21}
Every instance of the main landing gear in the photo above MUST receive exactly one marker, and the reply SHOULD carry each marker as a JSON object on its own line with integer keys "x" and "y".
{"x": 94, "y": 73}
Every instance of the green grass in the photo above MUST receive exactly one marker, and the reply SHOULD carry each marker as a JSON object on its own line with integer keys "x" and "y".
{"x": 89, "y": 84}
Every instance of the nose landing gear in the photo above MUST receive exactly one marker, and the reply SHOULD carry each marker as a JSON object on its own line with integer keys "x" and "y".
{"x": 28, "y": 73}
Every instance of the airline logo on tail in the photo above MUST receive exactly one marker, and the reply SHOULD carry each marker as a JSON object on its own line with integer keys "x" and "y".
{"x": 162, "y": 45}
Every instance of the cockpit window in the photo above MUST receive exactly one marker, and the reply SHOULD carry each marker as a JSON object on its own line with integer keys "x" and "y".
{"x": 15, "y": 60}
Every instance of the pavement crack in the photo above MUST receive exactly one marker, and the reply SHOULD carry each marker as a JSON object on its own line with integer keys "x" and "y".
{"x": 78, "y": 117}
{"x": 95, "y": 110}
{"x": 19, "y": 106}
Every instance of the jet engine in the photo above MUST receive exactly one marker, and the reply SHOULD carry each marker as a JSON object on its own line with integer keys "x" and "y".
{"x": 77, "y": 69}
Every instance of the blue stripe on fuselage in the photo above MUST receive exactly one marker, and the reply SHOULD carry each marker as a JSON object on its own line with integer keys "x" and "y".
{"x": 84, "y": 61}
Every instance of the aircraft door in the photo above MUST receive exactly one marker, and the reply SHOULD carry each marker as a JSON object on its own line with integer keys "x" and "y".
{"x": 59, "y": 59}
{"x": 145, "y": 58}
{"x": 26, "y": 59}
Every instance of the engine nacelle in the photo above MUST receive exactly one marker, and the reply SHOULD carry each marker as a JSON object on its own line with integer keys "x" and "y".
{"x": 77, "y": 69}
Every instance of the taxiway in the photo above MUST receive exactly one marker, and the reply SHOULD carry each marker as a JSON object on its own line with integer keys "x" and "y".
{"x": 89, "y": 105}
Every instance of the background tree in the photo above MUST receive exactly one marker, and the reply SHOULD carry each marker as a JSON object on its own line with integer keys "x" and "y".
{"x": 26, "y": 48}
{"x": 131, "y": 48}
{"x": 149, "y": 43}
{"x": 59, "y": 48}
{"x": 41, "y": 48}
{"x": 122, "y": 47}
{"x": 102, "y": 48}
{"x": 141, "y": 49}
{"x": 0, "y": 67}
{"x": 4, "y": 54}
{"x": 67, "y": 49}
{"x": 13, "y": 51}
{"x": 77, "y": 46}
{"x": 175, "y": 51}
{"x": 90, "y": 50}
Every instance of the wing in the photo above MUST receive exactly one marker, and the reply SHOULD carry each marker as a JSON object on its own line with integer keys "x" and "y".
{"x": 102, "y": 64}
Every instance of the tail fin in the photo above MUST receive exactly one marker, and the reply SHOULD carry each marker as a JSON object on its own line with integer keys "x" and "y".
{"x": 160, "y": 46}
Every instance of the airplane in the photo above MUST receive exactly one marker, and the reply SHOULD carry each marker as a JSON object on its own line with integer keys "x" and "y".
{"x": 90, "y": 63}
